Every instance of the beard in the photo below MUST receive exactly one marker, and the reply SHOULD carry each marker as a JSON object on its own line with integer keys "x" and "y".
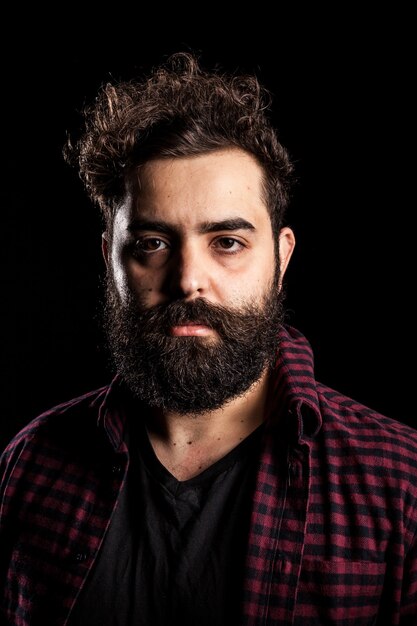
{"x": 191, "y": 375}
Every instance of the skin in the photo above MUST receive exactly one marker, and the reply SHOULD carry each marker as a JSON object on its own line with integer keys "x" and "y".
{"x": 189, "y": 228}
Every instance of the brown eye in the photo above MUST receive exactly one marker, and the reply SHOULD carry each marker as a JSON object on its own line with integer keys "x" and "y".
{"x": 151, "y": 244}
{"x": 228, "y": 245}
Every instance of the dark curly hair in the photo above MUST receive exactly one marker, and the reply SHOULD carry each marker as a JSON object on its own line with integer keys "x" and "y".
{"x": 178, "y": 110}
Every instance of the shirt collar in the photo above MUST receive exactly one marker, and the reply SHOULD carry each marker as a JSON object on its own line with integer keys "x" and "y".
{"x": 112, "y": 415}
{"x": 293, "y": 386}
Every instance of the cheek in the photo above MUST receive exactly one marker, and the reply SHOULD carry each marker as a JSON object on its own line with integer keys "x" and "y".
{"x": 132, "y": 280}
{"x": 118, "y": 280}
{"x": 252, "y": 284}
{"x": 123, "y": 274}
{"x": 258, "y": 275}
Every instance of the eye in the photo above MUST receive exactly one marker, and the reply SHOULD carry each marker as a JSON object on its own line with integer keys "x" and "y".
{"x": 228, "y": 245}
{"x": 148, "y": 245}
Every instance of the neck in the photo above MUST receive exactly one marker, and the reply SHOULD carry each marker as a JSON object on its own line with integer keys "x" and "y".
{"x": 187, "y": 444}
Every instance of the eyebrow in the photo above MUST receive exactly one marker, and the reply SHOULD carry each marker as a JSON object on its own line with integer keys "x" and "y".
{"x": 236, "y": 223}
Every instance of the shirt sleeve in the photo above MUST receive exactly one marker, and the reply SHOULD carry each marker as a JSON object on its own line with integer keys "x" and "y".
{"x": 408, "y": 610}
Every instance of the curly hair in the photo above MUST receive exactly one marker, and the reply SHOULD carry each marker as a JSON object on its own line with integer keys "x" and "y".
{"x": 179, "y": 110}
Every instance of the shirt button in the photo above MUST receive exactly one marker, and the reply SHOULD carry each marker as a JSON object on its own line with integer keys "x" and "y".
{"x": 80, "y": 557}
{"x": 283, "y": 566}
{"x": 116, "y": 469}
{"x": 296, "y": 470}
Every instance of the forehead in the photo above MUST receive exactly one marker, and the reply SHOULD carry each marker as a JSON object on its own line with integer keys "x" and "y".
{"x": 226, "y": 183}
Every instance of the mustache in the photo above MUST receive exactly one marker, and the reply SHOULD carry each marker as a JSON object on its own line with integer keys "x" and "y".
{"x": 225, "y": 321}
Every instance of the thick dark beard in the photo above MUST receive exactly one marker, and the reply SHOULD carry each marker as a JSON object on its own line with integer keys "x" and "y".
{"x": 191, "y": 374}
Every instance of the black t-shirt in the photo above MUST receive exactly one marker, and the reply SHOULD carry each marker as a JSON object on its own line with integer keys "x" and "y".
{"x": 175, "y": 550}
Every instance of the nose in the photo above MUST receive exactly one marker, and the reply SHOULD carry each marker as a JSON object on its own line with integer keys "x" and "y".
{"x": 189, "y": 272}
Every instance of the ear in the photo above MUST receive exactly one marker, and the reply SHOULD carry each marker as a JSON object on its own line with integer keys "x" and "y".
{"x": 286, "y": 248}
{"x": 105, "y": 248}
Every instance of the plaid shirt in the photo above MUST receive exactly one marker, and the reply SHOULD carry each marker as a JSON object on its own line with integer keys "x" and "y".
{"x": 333, "y": 536}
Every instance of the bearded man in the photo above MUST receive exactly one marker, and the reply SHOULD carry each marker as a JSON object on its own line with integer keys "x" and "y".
{"x": 214, "y": 481}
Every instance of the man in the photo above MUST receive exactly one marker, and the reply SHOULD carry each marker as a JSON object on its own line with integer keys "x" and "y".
{"x": 214, "y": 481}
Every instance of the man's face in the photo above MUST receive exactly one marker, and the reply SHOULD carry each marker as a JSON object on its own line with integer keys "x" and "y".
{"x": 193, "y": 296}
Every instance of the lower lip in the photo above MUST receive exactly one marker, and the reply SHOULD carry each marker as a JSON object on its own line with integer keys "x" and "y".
{"x": 191, "y": 330}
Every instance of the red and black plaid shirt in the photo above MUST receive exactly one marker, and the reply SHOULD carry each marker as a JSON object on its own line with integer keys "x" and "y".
{"x": 333, "y": 537}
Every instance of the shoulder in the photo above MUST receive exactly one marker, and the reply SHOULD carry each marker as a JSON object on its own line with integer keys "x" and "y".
{"x": 359, "y": 426}
{"x": 62, "y": 421}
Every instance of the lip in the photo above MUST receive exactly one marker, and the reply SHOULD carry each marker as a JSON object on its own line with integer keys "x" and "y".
{"x": 191, "y": 329}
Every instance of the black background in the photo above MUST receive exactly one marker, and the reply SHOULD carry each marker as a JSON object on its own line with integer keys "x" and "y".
{"x": 343, "y": 102}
